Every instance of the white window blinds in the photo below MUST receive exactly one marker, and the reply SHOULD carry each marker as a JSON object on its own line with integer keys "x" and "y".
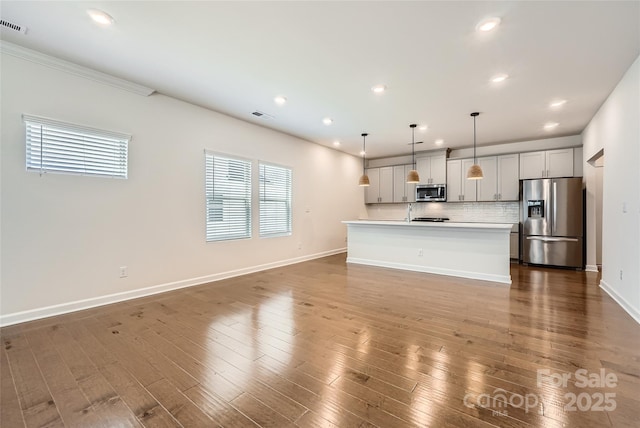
{"x": 54, "y": 146}
{"x": 275, "y": 200}
{"x": 228, "y": 197}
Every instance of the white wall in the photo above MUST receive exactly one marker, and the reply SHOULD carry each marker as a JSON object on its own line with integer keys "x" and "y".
{"x": 616, "y": 129}
{"x": 64, "y": 237}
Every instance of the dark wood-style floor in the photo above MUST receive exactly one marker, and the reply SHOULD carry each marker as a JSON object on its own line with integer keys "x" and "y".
{"x": 323, "y": 343}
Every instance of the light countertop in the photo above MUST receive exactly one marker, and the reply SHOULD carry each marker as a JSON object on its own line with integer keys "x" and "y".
{"x": 446, "y": 224}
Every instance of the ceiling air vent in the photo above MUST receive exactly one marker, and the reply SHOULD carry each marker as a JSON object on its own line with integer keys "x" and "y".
{"x": 12, "y": 26}
{"x": 262, "y": 115}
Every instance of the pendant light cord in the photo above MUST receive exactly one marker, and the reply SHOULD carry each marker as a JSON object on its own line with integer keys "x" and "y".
{"x": 364, "y": 152}
{"x": 474, "y": 115}
{"x": 413, "y": 147}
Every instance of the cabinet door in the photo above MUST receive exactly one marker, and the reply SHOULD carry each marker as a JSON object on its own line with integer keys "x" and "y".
{"x": 468, "y": 186}
{"x": 399, "y": 184}
{"x": 508, "y": 184}
{"x": 386, "y": 184}
{"x": 559, "y": 163}
{"x": 409, "y": 189}
{"x": 423, "y": 166}
{"x": 532, "y": 165}
{"x": 454, "y": 174}
{"x": 488, "y": 187}
{"x": 372, "y": 192}
{"x": 438, "y": 169}
{"x": 514, "y": 245}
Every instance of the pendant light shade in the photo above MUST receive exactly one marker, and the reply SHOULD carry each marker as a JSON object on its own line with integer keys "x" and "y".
{"x": 364, "y": 179}
{"x": 475, "y": 172}
{"x": 413, "y": 176}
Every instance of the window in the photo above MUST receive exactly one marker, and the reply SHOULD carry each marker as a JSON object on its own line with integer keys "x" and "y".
{"x": 275, "y": 200}
{"x": 62, "y": 147}
{"x": 228, "y": 197}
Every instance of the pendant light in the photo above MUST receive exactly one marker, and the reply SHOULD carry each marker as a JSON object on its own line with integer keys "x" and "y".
{"x": 475, "y": 172}
{"x": 413, "y": 176}
{"x": 364, "y": 180}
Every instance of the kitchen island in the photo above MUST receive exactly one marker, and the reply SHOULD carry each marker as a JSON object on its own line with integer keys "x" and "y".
{"x": 468, "y": 250}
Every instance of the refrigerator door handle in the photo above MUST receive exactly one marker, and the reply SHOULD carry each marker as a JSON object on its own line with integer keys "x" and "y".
{"x": 551, "y": 239}
{"x": 555, "y": 207}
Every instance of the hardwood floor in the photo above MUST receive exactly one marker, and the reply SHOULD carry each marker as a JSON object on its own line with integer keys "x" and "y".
{"x": 325, "y": 344}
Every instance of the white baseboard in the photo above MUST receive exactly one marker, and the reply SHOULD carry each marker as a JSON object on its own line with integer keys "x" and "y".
{"x": 591, "y": 268}
{"x": 64, "y": 308}
{"x": 634, "y": 312}
{"x": 503, "y": 279}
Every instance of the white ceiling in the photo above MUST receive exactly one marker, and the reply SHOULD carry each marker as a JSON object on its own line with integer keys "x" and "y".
{"x": 234, "y": 57}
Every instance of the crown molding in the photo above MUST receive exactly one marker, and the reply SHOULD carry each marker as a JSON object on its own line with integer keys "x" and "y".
{"x": 71, "y": 68}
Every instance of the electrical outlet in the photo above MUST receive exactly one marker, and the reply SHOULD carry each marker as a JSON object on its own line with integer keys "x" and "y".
{"x": 420, "y": 252}
{"x": 123, "y": 272}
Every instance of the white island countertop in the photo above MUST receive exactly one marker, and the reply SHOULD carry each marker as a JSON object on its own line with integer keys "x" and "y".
{"x": 463, "y": 249}
{"x": 445, "y": 224}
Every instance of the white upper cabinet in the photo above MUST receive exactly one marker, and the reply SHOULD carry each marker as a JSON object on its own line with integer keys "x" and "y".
{"x": 380, "y": 189}
{"x": 432, "y": 169}
{"x": 459, "y": 188}
{"x": 500, "y": 182}
{"x": 559, "y": 163}
{"x": 372, "y": 191}
{"x": 546, "y": 164}
{"x": 402, "y": 191}
{"x": 488, "y": 186}
{"x": 508, "y": 182}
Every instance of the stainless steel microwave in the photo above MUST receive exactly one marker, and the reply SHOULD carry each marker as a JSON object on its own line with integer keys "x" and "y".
{"x": 431, "y": 193}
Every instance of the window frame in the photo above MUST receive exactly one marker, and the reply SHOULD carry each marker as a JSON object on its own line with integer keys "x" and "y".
{"x": 228, "y": 204}
{"x": 288, "y": 201}
{"x": 74, "y": 149}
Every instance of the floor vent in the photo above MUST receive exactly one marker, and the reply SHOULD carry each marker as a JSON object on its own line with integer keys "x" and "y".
{"x": 11, "y": 26}
{"x": 262, "y": 115}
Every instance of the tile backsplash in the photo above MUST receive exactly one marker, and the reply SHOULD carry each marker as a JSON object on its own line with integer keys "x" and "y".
{"x": 483, "y": 212}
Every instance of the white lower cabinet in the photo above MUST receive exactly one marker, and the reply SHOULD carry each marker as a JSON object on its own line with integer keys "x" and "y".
{"x": 514, "y": 245}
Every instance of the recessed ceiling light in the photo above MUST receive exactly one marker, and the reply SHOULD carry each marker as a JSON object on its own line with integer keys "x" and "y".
{"x": 423, "y": 127}
{"x": 439, "y": 142}
{"x": 280, "y": 100}
{"x": 557, "y": 103}
{"x": 551, "y": 125}
{"x": 362, "y": 153}
{"x": 102, "y": 18}
{"x": 327, "y": 121}
{"x": 499, "y": 78}
{"x": 378, "y": 89}
{"x": 488, "y": 24}
{"x": 336, "y": 143}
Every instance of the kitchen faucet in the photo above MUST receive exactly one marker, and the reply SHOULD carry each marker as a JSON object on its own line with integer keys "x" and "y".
{"x": 409, "y": 212}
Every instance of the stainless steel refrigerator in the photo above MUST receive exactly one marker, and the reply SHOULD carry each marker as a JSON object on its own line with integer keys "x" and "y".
{"x": 552, "y": 222}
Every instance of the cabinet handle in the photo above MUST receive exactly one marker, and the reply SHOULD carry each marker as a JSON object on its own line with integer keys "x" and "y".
{"x": 463, "y": 197}
{"x": 499, "y": 195}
